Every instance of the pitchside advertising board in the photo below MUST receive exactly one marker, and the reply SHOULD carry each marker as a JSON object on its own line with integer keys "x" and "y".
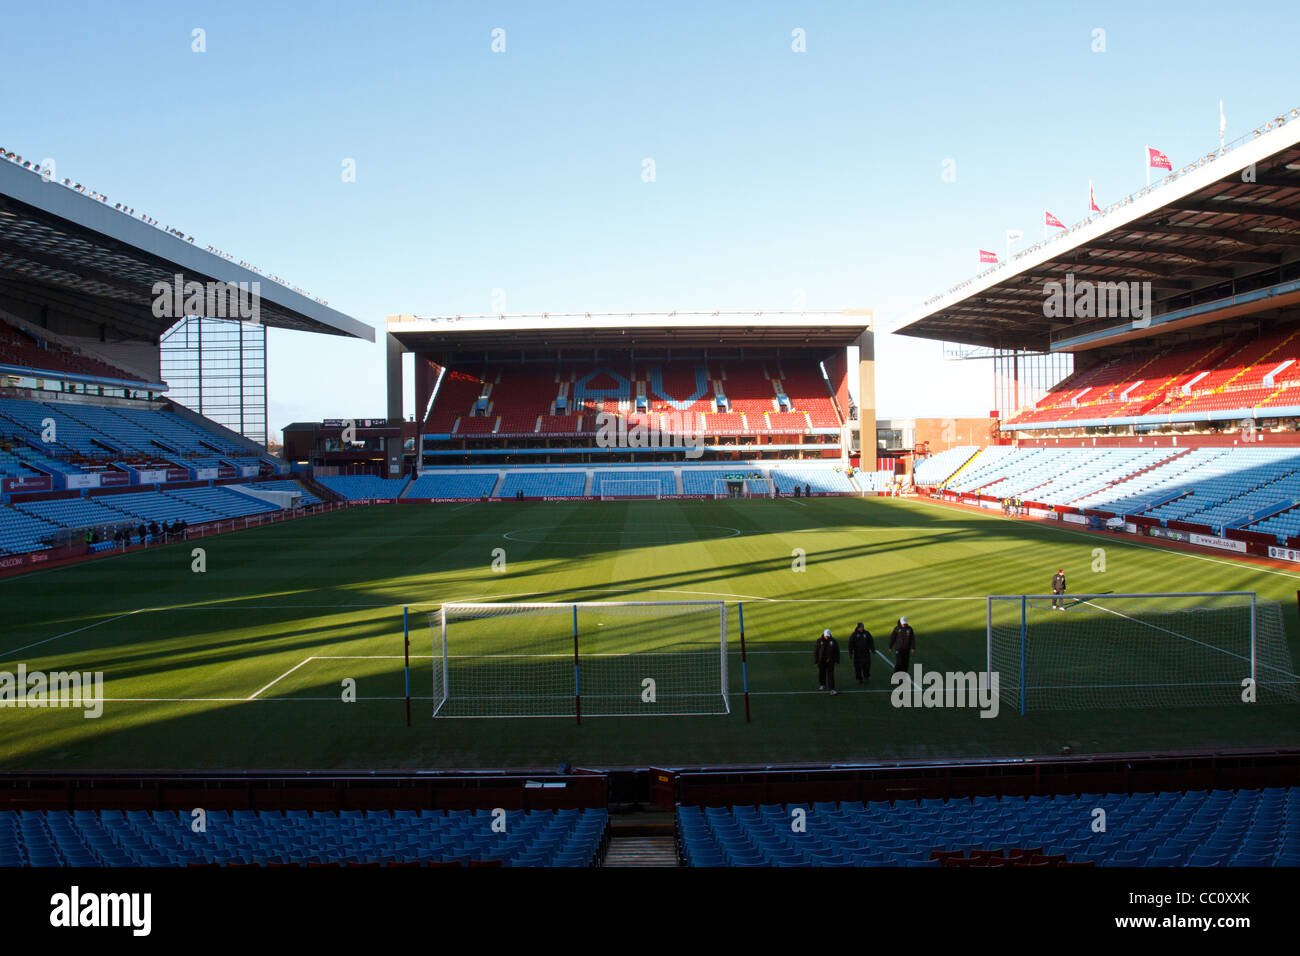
{"x": 1286, "y": 554}
{"x": 1205, "y": 540}
{"x": 34, "y": 483}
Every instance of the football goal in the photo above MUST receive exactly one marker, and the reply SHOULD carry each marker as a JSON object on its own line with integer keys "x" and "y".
{"x": 1098, "y": 651}
{"x": 630, "y": 488}
{"x": 580, "y": 660}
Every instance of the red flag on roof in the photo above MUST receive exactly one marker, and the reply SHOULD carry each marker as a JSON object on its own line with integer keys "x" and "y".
{"x": 986, "y": 256}
{"x": 1053, "y": 221}
{"x": 1158, "y": 160}
{"x": 1092, "y": 199}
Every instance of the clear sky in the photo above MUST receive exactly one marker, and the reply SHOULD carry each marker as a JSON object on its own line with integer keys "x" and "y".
{"x": 779, "y": 176}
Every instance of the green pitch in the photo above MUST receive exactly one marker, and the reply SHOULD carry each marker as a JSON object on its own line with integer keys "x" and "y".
{"x": 245, "y": 664}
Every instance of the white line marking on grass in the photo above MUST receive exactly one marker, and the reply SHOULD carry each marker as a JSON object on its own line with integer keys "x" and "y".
{"x": 367, "y": 657}
{"x": 603, "y": 532}
{"x": 819, "y": 693}
{"x": 307, "y": 660}
{"x": 78, "y": 630}
{"x": 242, "y": 700}
{"x": 862, "y": 600}
{"x": 745, "y": 597}
{"x": 892, "y": 665}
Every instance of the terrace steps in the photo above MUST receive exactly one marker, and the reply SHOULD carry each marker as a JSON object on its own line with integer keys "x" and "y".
{"x": 642, "y": 839}
{"x": 641, "y": 851}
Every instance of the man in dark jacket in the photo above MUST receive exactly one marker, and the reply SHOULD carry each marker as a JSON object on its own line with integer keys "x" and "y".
{"x": 1058, "y": 590}
{"x": 826, "y": 654}
{"x": 861, "y": 647}
{"x": 902, "y": 642}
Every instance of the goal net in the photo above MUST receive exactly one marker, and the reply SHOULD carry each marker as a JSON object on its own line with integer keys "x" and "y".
{"x": 759, "y": 488}
{"x": 1099, "y": 651}
{"x": 630, "y": 488}
{"x": 580, "y": 660}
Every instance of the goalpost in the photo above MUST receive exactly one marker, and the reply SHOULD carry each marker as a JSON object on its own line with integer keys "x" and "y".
{"x": 589, "y": 659}
{"x": 1099, "y": 651}
{"x": 630, "y": 488}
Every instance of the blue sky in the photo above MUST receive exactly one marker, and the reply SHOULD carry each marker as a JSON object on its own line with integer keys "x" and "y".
{"x": 777, "y": 174}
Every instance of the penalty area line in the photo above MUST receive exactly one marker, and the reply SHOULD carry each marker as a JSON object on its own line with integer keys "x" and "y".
{"x": 107, "y": 620}
{"x": 327, "y": 657}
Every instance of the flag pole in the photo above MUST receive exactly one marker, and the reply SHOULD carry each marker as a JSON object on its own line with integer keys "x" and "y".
{"x": 1146, "y": 161}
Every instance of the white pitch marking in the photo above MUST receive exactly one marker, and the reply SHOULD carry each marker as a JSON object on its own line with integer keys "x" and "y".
{"x": 75, "y": 631}
{"x": 306, "y": 660}
{"x": 863, "y": 600}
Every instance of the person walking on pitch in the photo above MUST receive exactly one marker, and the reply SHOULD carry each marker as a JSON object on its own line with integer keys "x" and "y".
{"x": 861, "y": 647}
{"x": 826, "y": 654}
{"x": 902, "y": 642}
{"x": 1058, "y": 590}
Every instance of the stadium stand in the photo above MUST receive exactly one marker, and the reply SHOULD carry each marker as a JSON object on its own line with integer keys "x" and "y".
{"x": 570, "y": 838}
{"x": 882, "y": 480}
{"x": 544, "y": 484}
{"x": 86, "y": 433}
{"x": 1220, "y": 488}
{"x": 820, "y": 480}
{"x": 938, "y": 468}
{"x": 288, "y": 485}
{"x": 667, "y": 485}
{"x": 362, "y": 487}
{"x": 23, "y": 525}
{"x": 23, "y": 349}
{"x": 1198, "y": 381}
{"x": 21, "y": 532}
{"x": 1196, "y": 828}
{"x": 222, "y": 502}
{"x": 702, "y": 481}
{"x": 1055, "y": 475}
{"x": 455, "y": 485}
{"x": 565, "y": 399}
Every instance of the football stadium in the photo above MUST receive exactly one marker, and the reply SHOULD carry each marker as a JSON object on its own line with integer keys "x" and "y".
{"x": 659, "y": 588}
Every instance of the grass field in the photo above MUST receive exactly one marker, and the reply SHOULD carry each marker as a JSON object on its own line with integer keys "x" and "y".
{"x": 241, "y": 666}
